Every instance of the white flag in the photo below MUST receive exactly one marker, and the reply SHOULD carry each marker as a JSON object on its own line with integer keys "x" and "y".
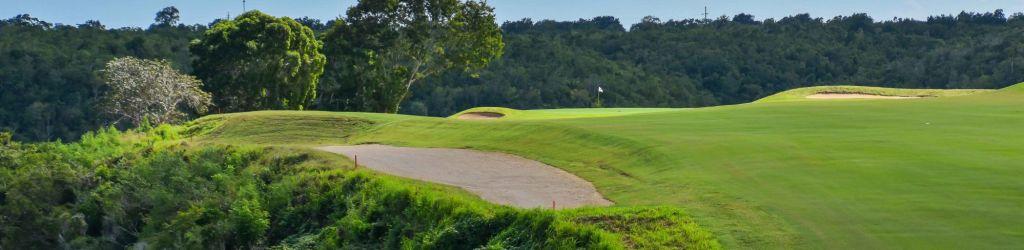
{"x": 600, "y": 90}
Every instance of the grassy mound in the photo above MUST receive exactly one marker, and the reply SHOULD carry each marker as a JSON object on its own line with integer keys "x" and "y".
{"x": 278, "y": 127}
{"x": 159, "y": 188}
{"x": 1016, "y": 88}
{"x": 546, "y": 114}
{"x": 801, "y": 94}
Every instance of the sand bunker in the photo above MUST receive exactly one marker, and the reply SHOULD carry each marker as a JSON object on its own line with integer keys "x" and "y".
{"x": 857, "y": 96}
{"x": 480, "y": 116}
{"x": 496, "y": 177}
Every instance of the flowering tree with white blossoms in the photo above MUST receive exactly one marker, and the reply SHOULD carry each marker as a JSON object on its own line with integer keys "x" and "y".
{"x": 150, "y": 89}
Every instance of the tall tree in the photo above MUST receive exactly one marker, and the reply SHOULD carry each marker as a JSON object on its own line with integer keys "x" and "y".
{"x": 168, "y": 16}
{"x": 383, "y": 47}
{"x": 150, "y": 89}
{"x": 257, "y": 61}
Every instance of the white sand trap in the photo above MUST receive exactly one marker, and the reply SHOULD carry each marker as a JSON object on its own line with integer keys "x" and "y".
{"x": 857, "y": 96}
{"x": 480, "y": 116}
{"x": 496, "y": 177}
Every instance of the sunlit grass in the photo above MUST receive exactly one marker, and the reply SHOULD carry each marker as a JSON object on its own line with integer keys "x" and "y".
{"x": 939, "y": 172}
{"x": 801, "y": 94}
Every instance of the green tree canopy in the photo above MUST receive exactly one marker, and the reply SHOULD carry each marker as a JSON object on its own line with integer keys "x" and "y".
{"x": 49, "y": 85}
{"x": 168, "y": 16}
{"x": 257, "y": 61}
{"x": 383, "y": 47}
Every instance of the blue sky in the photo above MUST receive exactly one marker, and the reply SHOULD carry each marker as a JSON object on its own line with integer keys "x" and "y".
{"x": 120, "y": 13}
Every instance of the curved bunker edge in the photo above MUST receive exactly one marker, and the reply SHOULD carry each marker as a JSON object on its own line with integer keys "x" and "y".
{"x": 496, "y": 177}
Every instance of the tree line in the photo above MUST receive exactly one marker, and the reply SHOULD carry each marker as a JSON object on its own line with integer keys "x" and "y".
{"x": 252, "y": 62}
{"x": 729, "y": 60}
{"x": 52, "y": 86}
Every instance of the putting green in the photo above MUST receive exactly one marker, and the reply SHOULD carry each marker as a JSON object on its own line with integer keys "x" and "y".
{"x": 784, "y": 172}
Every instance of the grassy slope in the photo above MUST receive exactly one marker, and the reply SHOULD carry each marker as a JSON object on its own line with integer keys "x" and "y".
{"x": 802, "y": 93}
{"x": 646, "y": 227}
{"x": 542, "y": 114}
{"x": 176, "y": 192}
{"x": 924, "y": 173}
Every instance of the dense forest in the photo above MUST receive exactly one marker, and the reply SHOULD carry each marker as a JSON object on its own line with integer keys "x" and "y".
{"x": 688, "y": 63}
{"x": 50, "y": 84}
{"x": 49, "y": 79}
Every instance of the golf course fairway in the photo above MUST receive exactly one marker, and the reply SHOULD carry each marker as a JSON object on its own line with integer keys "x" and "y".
{"x": 943, "y": 171}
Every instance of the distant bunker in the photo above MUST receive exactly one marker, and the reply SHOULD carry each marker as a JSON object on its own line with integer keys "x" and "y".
{"x": 859, "y": 96}
{"x": 480, "y": 116}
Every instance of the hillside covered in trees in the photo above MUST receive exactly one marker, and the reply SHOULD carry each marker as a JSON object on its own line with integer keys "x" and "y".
{"x": 50, "y": 84}
{"x": 689, "y": 63}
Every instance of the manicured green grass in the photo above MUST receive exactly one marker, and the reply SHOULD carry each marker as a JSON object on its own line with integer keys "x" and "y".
{"x": 941, "y": 172}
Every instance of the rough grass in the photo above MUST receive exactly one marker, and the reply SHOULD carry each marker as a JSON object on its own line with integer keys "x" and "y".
{"x": 363, "y": 209}
{"x": 172, "y": 192}
{"x": 278, "y": 128}
{"x": 924, "y": 173}
{"x": 801, "y": 94}
{"x": 423, "y": 215}
{"x": 675, "y": 230}
{"x": 646, "y": 227}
